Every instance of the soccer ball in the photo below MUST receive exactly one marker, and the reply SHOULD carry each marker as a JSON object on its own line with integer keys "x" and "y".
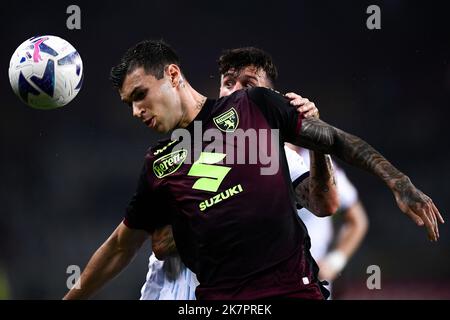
{"x": 46, "y": 72}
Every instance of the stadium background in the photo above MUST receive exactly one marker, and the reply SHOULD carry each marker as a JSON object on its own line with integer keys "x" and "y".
{"x": 67, "y": 175}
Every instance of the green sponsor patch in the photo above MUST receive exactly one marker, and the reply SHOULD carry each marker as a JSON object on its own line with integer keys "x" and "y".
{"x": 213, "y": 175}
{"x": 169, "y": 163}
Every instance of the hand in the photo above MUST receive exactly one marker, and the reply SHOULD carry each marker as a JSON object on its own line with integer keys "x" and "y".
{"x": 331, "y": 265}
{"x": 163, "y": 244}
{"x": 303, "y": 105}
{"x": 418, "y": 206}
{"x": 325, "y": 272}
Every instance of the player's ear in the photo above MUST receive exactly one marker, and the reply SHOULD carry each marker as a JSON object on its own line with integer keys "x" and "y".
{"x": 175, "y": 75}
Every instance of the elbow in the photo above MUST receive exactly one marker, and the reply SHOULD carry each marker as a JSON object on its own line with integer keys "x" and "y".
{"x": 327, "y": 210}
{"x": 326, "y": 207}
{"x": 332, "y": 208}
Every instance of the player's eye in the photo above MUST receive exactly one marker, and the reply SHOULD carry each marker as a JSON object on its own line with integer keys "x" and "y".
{"x": 229, "y": 84}
{"x": 140, "y": 95}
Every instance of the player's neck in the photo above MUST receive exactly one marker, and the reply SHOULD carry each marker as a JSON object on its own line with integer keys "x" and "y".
{"x": 192, "y": 102}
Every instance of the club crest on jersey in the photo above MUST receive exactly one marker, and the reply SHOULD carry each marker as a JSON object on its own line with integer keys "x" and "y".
{"x": 169, "y": 163}
{"x": 227, "y": 121}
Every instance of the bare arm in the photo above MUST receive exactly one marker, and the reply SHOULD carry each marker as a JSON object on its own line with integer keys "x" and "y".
{"x": 111, "y": 258}
{"x": 349, "y": 239}
{"x": 320, "y": 136}
{"x": 353, "y": 230}
{"x": 323, "y": 193}
{"x": 319, "y": 192}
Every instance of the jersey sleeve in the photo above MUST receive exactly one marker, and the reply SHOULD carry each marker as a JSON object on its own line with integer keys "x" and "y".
{"x": 278, "y": 112}
{"x": 298, "y": 171}
{"x": 348, "y": 195}
{"x": 148, "y": 209}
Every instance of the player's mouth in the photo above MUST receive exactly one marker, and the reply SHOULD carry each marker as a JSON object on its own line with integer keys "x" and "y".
{"x": 150, "y": 122}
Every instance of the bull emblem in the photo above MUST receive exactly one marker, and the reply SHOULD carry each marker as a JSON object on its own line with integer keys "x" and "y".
{"x": 227, "y": 121}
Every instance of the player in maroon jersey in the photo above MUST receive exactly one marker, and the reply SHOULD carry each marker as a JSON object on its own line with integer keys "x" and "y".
{"x": 235, "y": 224}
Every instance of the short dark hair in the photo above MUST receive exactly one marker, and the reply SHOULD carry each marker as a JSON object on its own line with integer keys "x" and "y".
{"x": 240, "y": 58}
{"x": 152, "y": 55}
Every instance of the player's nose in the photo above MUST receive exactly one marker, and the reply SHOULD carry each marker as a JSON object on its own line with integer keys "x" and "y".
{"x": 137, "y": 112}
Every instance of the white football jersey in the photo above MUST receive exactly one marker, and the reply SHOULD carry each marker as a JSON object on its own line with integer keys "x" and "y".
{"x": 168, "y": 280}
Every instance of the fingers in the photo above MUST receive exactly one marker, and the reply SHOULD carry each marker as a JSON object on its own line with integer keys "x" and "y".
{"x": 309, "y": 110}
{"x": 312, "y": 113}
{"x": 416, "y": 219}
{"x": 422, "y": 210}
{"x": 296, "y": 100}
{"x": 420, "y": 218}
{"x": 434, "y": 215}
{"x": 300, "y": 102}
{"x": 437, "y": 213}
{"x": 436, "y": 226}
{"x": 429, "y": 224}
{"x": 292, "y": 95}
{"x": 306, "y": 107}
{"x": 303, "y": 105}
{"x": 430, "y": 213}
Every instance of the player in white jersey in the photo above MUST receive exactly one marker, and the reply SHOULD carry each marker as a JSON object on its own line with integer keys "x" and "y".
{"x": 168, "y": 280}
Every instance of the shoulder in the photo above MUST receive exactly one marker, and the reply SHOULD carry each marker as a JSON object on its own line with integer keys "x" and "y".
{"x": 267, "y": 98}
{"x": 232, "y": 98}
{"x": 262, "y": 93}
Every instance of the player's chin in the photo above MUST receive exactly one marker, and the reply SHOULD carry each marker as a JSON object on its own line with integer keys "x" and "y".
{"x": 166, "y": 127}
{"x": 160, "y": 128}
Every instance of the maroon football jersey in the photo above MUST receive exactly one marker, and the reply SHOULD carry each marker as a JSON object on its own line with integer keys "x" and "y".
{"x": 234, "y": 226}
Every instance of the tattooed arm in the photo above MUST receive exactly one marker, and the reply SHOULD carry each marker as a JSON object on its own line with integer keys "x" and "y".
{"x": 323, "y": 190}
{"x": 320, "y": 136}
{"x": 317, "y": 193}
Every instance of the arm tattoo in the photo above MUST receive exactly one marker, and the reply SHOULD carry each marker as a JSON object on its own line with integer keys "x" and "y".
{"x": 318, "y": 192}
{"x": 320, "y": 136}
{"x": 322, "y": 172}
{"x": 302, "y": 193}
